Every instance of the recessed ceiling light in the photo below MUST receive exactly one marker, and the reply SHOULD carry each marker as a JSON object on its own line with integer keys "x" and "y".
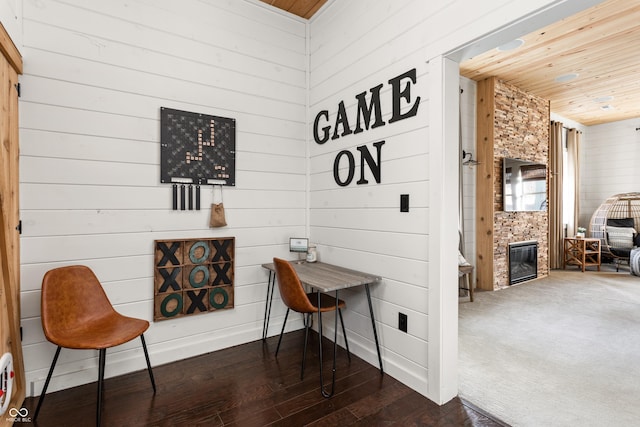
{"x": 566, "y": 77}
{"x": 607, "y": 107}
{"x": 514, "y": 44}
{"x": 604, "y": 99}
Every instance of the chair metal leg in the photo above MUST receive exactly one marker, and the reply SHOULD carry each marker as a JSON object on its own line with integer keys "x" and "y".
{"x": 146, "y": 356}
{"x": 101, "y": 361}
{"x": 282, "y": 331}
{"x": 46, "y": 383}
{"x": 344, "y": 334}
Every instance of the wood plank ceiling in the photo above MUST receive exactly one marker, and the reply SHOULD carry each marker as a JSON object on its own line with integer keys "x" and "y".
{"x": 302, "y": 8}
{"x": 601, "y": 45}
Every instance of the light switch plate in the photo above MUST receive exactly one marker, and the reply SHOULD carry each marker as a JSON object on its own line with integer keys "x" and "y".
{"x": 402, "y": 322}
{"x": 404, "y": 203}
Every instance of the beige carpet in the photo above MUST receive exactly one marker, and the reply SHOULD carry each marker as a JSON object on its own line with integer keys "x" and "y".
{"x": 557, "y": 351}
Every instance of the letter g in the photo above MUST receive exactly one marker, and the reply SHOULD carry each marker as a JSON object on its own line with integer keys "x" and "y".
{"x": 325, "y": 130}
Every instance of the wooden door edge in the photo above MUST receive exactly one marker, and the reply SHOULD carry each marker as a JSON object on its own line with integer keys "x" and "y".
{"x": 9, "y": 50}
{"x": 16, "y": 345}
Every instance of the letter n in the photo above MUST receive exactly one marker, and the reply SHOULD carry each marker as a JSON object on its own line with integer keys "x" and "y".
{"x": 365, "y": 155}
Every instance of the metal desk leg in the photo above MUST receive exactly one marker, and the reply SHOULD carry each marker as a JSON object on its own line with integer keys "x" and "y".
{"x": 267, "y": 304}
{"x": 335, "y": 349}
{"x": 373, "y": 324}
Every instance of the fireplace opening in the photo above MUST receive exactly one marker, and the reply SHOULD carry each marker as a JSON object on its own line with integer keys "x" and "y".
{"x": 523, "y": 261}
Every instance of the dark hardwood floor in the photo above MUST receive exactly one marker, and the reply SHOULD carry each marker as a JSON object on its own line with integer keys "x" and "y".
{"x": 247, "y": 386}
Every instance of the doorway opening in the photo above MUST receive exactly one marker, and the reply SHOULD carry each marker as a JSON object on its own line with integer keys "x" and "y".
{"x": 527, "y": 24}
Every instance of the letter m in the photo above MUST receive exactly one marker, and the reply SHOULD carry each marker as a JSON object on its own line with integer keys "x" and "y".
{"x": 365, "y": 111}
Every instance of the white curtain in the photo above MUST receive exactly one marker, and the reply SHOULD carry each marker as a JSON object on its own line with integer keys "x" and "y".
{"x": 572, "y": 176}
{"x": 556, "y": 224}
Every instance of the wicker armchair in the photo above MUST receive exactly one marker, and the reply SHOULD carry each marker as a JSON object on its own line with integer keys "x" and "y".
{"x": 616, "y": 223}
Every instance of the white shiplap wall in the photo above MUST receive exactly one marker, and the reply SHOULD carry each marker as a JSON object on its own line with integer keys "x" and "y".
{"x": 96, "y": 75}
{"x": 361, "y": 226}
{"x": 11, "y": 18}
{"x": 609, "y": 164}
{"x": 354, "y": 46}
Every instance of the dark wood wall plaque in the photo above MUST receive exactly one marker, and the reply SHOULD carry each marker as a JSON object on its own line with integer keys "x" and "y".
{"x": 193, "y": 276}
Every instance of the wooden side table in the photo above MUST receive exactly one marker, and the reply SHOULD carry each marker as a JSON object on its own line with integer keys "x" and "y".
{"x": 583, "y": 252}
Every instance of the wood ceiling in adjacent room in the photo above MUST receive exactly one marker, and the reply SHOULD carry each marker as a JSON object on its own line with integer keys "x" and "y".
{"x": 600, "y": 44}
{"x": 302, "y": 8}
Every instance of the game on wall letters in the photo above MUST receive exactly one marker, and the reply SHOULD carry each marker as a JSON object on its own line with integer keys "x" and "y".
{"x": 193, "y": 276}
{"x": 368, "y": 116}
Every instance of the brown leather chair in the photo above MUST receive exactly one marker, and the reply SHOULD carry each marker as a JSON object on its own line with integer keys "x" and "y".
{"x": 295, "y": 298}
{"x": 77, "y": 314}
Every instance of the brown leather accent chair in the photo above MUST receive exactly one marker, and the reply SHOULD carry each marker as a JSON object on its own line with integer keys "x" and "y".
{"x": 77, "y": 314}
{"x": 297, "y": 299}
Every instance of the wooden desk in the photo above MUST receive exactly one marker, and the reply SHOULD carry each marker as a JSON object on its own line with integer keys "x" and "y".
{"x": 325, "y": 278}
{"x": 583, "y": 252}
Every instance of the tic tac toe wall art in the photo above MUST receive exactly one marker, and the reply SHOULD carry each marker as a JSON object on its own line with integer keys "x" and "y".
{"x": 193, "y": 276}
{"x": 195, "y": 149}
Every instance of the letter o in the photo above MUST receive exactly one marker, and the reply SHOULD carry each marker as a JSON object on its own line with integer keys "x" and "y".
{"x": 165, "y": 302}
{"x": 212, "y": 298}
{"x": 336, "y": 168}
{"x": 194, "y": 257}
{"x": 193, "y": 280}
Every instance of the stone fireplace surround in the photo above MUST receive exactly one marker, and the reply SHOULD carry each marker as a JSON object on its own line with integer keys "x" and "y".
{"x": 511, "y": 123}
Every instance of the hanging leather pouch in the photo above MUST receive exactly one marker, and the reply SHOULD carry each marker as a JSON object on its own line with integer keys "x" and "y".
{"x": 217, "y": 218}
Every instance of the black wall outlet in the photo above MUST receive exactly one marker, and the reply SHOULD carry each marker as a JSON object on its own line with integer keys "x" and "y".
{"x": 402, "y": 322}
